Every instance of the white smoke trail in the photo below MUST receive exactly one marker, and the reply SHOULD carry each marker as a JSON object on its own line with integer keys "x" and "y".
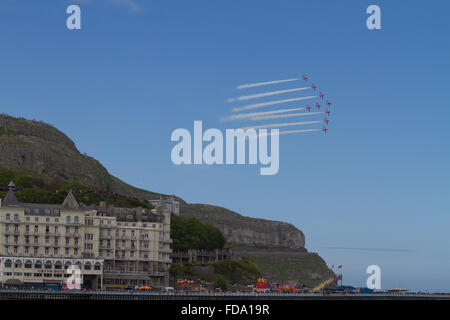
{"x": 266, "y": 94}
{"x": 258, "y": 84}
{"x": 285, "y": 116}
{"x": 241, "y": 116}
{"x": 279, "y": 125}
{"x": 270, "y": 103}
{"x": 280, "y": 133}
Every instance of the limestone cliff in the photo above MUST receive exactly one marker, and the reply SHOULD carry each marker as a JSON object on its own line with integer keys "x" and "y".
{"x": 247, "y": 231}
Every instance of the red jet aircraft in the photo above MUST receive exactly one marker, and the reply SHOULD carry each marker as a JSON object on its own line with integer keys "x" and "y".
{"x": 326, "y": 121}
{"x": 305, "y": 78}
{"x": 308, "y": 107}
{"x": 328, "y": 103}
{"x": 328, "y": 112}
{"x": 318, "y": 106}
{"x": 313, "y": 87}
{"x": 324, "y": 130}
{"x": 321, "y": 95}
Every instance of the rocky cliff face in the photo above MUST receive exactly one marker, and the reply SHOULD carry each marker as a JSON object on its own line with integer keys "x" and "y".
{"x": 34, "y": 146}
{"x": 247, "y": 231}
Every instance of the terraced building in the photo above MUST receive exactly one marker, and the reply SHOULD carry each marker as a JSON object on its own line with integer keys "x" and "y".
{"x": 111, "y": 247}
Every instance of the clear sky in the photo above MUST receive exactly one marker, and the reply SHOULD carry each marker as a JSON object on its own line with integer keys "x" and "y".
{"x": 374, "y": 190}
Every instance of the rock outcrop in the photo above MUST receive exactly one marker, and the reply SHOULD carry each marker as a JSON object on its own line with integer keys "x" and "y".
{"x": 247, "y": 231}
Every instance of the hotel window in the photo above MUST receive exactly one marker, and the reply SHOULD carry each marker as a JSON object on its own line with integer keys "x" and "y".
{"x": 76, "y": 219}
{"x": 36, "y": 219}
{"x": 8, "y": 217}
{"x": 47, "y": 250}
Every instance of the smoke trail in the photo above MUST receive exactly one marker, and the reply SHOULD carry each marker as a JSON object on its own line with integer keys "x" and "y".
{"x": 285, "y": 116}
{"x": 258, "y": 84}
{"x": 279, "y": 125}
{"x": 241, "y": 116}
{"x": 280, "y": 133}
{"x": 266, "y": 94}
{"x": 270, "y": 103}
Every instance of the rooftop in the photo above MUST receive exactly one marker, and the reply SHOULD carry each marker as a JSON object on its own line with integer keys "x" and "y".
{"x": 70, "y": 202}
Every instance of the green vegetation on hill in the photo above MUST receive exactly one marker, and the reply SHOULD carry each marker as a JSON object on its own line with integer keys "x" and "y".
{"x": 221, "y": 274}
{"x": 190, "y": 233}
{"x": 35, "y": 189}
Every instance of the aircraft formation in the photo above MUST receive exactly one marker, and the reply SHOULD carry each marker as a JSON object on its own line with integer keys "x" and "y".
{"x": 322, "y": 105}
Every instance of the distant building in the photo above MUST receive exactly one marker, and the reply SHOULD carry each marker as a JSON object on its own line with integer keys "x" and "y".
{"x": 171, "y": 204}
{"x": 111, "y": 246}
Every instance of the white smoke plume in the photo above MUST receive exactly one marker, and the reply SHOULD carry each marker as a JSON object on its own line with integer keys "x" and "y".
{"x": 242, "y": 116}
{"x": 285, "y": 116}
{"x": 266, "y": 94}
{"x": 258, "y": 84}
{"x": 270, "y": 103}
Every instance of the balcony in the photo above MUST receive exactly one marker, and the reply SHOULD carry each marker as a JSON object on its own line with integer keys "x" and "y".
{"x": 167, "y": 240}
{"x": 73, "y": 223}
{"x": 106, "y": 226}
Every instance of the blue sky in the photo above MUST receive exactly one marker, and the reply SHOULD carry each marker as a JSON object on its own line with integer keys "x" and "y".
{"x": 138, "y": 69}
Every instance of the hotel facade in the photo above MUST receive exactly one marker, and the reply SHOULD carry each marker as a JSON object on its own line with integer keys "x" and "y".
{"x": 106, "y": 246}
